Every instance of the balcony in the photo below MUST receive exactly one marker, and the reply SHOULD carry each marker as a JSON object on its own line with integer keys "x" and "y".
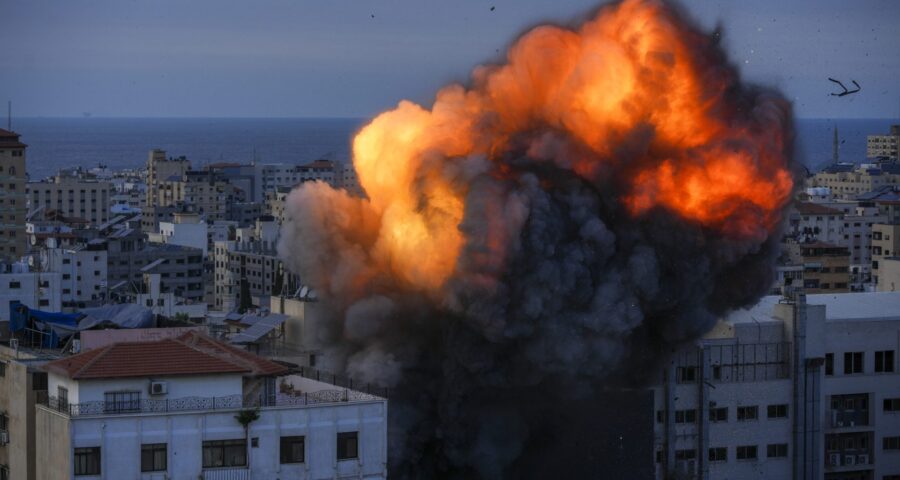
{"x": 200, "y": 404}
{"x": 236, "y": 473}
{"x": 848, "y": 418}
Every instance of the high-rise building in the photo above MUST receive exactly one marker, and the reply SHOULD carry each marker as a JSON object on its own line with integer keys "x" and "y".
{"x": 887, "y": 146}
{"x": 802, "y": 387}
{"x": 74, "y": 194}
{"x": 12, "y": 196}
{"x": 160, "y": 169}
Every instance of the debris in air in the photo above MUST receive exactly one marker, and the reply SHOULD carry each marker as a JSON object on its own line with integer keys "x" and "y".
{"x": 845, "y": 92}
{"x": 492, "y": 8}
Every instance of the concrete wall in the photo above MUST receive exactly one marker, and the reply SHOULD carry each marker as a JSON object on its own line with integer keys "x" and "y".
{"x": 17, "y": 402}
{"x": 178, "y": 387}
{"x": 53, "y": 451}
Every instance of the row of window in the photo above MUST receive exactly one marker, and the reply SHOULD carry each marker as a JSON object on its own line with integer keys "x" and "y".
{"x": 854, "y": 362}
{"x": 218, "y": 453}
{"x": 741, "y": 452}
{"x": 720, "y": 414}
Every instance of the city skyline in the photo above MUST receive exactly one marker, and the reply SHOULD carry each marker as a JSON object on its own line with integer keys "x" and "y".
{"x": 351, "y": 60}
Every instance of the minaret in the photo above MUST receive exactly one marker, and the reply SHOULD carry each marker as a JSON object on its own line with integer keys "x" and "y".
{"x": 834, "y": 146}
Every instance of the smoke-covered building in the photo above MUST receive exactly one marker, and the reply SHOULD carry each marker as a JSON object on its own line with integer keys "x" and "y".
{"x": 802, "y": 387}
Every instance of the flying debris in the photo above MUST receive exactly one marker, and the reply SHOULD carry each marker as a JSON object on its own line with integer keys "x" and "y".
{"x": 845, "y": 92}
{"x": 493, "y": 8}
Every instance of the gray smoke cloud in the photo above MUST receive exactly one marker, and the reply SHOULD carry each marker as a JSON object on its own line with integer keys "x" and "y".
{"x": 559, "y": 293}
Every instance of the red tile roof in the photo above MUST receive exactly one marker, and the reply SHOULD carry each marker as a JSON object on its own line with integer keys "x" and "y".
{"x": 189, "y": 354}
{"x": 10, "y": 139}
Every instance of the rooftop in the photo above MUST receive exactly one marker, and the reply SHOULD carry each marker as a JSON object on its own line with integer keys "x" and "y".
{"x": 10, "y": 139}
{"x": 858, "y": 306}
{"x": 191, "y": 353}
{"x": 807, "y": 208}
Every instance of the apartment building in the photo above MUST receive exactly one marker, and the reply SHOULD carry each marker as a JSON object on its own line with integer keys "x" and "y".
{"x": 73, "y": 193}
{"x": 885, "y": 244}
{"x": 826, "y": 267}
{"x": 199, "y": 192}
{"x": 193, "y": 407}
{"x": 159, "y": 169}
{"x": 13, "y": 202}
{"x": 33, "y": 288}
{"x": 800, "y": 386}
{"x": 814, "y": 221}
{"x": 130, "y": 256}
{"x": 847, "y": 180}
{"x": 887, "y": 146}
{"x": 83, "y": 272}
{"x": 20, "y": 380}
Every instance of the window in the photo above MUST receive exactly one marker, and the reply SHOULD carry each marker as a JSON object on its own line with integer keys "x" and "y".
{"x": 884, "y": 361}
{"x": 853, "y": 362}
{"x": 293, "y": 449}
{"x": 891, "y": 443}
{"x": 120, "y": 402}
{"x": 15, "y": 285}
{"x": 224, "y": 453}
{"x": 87, "y": 461}
{"x": 153, "y": 457}
{"x": 776, "y": 450}
{"x": 2, "y": 369}
{"x": 777, "y": 411}
{"x": 746, "y": 452}
{"x": 660, "y": 416}
{"x": 685, "y": 416}
{"x": 62, "y": 394}
{"x": 718, "y": 454}
{"x": 747, "y": 413}
{"x": 686, "y": 374}
{"x": 718, "y": 414}
{"x": 892, "y": 404}
{"x": 347, "y": 445}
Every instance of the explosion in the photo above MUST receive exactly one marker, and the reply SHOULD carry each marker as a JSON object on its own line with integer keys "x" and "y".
{"x": 555, "y": 227}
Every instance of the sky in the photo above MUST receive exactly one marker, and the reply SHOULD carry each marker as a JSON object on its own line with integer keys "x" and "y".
{"x": 354, "y": 58}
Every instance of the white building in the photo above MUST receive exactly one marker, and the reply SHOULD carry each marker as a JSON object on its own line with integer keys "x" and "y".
{"x": 186, "y": 229}
{"x": 83, "y": 272}
{"x": 803, "y": 387}
{"x": 38, "y": 290}
{"x": 168, "y": 409}
{"x": 166, "y": 303}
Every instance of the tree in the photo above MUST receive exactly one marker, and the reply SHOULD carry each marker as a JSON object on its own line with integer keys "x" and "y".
{"x": 245, "y": 417}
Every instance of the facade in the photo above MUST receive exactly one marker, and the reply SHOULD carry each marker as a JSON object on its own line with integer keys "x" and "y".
{"x": 159, "y": 169}
{"x": 199, "y": 192}
{"x": 20, "y": 381}
{"x": 885, "y": 244}
{"x": 802, "y": 387}
{"x": 83, "y": 273}
{"x": 167, "y": 304}
{"x": 887, "y": 146}
{"x": 12, "y": 197}
{"x": 167, "y": 409}
{"x": 185, "y": 229}
{"x": 813, "y": 221}
{"x": 826, "y": 268}
{"x": 38, "y": 290}
{"x": 847, "y": 181}
{"x": 130, "y": 256}
{"x": 73, "y": 194}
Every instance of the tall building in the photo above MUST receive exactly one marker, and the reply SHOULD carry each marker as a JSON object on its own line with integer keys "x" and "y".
{"x": 173, "y": 408}
{"x": 73, "y": 193}
{"x": 802, "y": 387}
{"x": 159, "y": 169}
{"x": 13, "y": 201}
{"x": 847, "y": 180}
{"x": 887, "y": 146}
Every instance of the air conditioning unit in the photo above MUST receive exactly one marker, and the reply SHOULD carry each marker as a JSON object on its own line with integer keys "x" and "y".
{"x": 834, "y": 459}
{"x": 76, "y": 346}
{"x": 862, "y": 459}
{"x": 4, "y": 437}
{"x": 158, "y": 388}
{"x": 849, "y": 459}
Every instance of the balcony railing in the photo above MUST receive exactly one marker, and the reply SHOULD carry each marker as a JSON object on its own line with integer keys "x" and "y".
{"x": 848, "y": 418}
{"x": 237, "y": 473}
{"x": 187, "y": 404}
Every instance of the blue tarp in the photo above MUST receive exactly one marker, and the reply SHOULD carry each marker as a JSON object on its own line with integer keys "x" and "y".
{"x": 57, "y": 326}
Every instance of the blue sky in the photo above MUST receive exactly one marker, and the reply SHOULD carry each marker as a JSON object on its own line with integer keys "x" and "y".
{"x": 280, "y": 58}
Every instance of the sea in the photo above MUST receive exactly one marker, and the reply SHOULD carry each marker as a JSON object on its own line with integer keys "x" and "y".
{"x": 55, "y": 143}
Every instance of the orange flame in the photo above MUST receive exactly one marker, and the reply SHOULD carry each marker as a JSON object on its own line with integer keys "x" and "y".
{"x": 634, "y": 65}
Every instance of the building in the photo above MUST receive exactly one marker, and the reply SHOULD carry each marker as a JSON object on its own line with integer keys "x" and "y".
{"x": 826, "y": 267}
{"x": 20, "y": 380}
{"x": 13, "y": 202}
{"x": 885, "y": 244}
{"x": 886, "y": 146}
{"x": 73, "y": 193}
{"x": 130, "y": 256}
{"x": 34, "y": 289}
{"x": 814, "y": 221}
{"x": 83, "y": 273}
{"x": 847, "y": 180}
{"x": 802, "y": 387}
{"x": 199, "y": 192}
{"x": 166, "y": 304}
{"x": 185, "y": 229}
{"x": 173, "y": 409}
{"x": 159, "y": 169}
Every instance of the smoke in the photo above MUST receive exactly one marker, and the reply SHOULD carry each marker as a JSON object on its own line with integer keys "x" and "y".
{"x": 546, "y": 233}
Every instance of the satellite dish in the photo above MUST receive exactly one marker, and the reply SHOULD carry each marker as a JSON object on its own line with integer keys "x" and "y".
{"x": 303, "y": 292}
